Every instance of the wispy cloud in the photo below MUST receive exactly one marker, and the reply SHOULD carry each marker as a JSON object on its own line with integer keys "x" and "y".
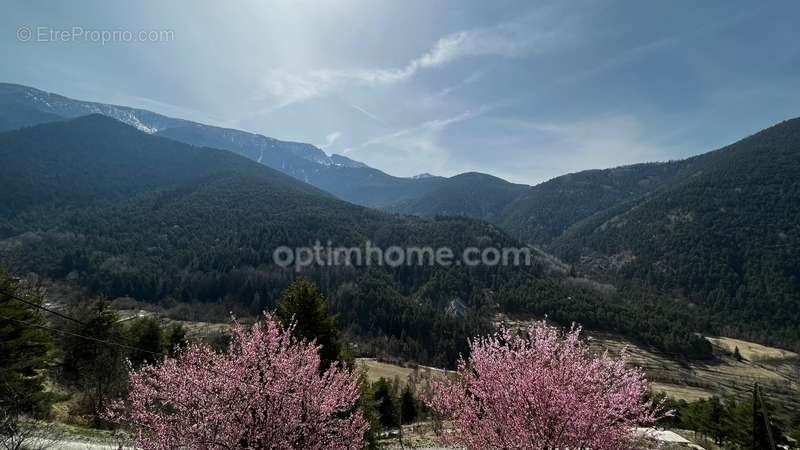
{"x": 422, "y": 143}
{"x": 511, "y": 39}
{"x": 368, "y": 114}
{"x": 439, "y": 95}
{"x": 426, "y": 129}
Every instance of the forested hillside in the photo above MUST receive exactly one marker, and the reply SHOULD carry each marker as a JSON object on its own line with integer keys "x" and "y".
{"x": 719, "y": 230}
{"x": 123, "y": 213}
{"x": 473, "y": 194}
{"x": 726, "y": 236}
{"x": 62, "y": 164}
{"x": 548, "y": 209}
{"x": 130, "y": 214}
{"x": 127, "y": 214}
{"x": 347, "y": 179}
{"x": 538, "y": 214}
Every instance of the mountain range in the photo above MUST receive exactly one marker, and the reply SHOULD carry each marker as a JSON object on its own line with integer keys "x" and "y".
{"x": 130, "y": 202}
{"x": 534, "y": 214}
{"x": 347, "y": 179}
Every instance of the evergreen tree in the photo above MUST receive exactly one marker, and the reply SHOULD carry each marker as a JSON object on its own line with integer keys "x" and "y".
{"x": 146, "y": 334}
{"x": 736, "y": 354}
{"x": 302, "y": 304}
{"x": 766, "y": 427}
{"x": 386, "y": 403}
{"x": 368, "y": 407}
{"x": 715, "y": 414}
{"x": 408, "y": 406}
{"x": 95, "y": 367}
{"x": 730, "y": 423}
{"x": 25, "y": 353}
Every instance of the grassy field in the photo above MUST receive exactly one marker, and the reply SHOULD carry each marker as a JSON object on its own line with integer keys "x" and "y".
{"x": 376, "y": 369}
{"x": 196, "y": 331}
{"x": 774, "y": 369}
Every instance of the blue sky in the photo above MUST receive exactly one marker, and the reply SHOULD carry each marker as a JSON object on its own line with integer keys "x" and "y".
{"x": 523, "y": 90}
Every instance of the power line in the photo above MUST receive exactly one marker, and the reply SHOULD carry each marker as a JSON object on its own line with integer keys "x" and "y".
{"x": 113, "y": 343}
{"x": 69, "y": 333}
{"x": 71, "y": 319}
{"x": 129, "y": 347}
{"x": 35, "y": 305}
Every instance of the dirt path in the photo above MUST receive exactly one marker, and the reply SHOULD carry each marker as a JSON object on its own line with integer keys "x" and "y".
{"x": 74, "y": 443}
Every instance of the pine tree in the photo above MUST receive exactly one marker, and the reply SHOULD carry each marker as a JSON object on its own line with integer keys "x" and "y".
{"x": 368, "y": 408}
{"x": 25, "y": 354}
{"x": 146, "y": 334}
{"x": 408, "y": 406}
{"x": 386, "y": 403}
{"x": 736, "y": 354}
{"x": 302, "y": 304}
{"x": 96, "y": 368}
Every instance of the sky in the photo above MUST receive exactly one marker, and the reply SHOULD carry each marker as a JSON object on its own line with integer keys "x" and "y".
{"x": 524, "y": 90}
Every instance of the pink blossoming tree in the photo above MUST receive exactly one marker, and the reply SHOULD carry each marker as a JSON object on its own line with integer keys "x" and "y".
{"x": 542, "y": 390}
{"x": 265, "y": 393}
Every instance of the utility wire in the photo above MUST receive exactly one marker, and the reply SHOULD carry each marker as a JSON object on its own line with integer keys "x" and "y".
{"x": 112, "y": 343}
{"x": 35, "y": 305}
{"x": 129, "y": 347}
{"x": 69, "y": 333}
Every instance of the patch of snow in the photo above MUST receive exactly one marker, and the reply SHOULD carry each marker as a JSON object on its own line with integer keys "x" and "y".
{"x": 422, "y": 176}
